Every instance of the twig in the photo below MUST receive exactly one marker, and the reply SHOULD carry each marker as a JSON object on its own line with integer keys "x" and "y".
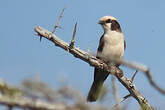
{"x": 121, "y": 100}
{"x": 132, "y": 78}
{"x": 40, "y": 38}
{"x": 93, "y": 61}
{"x": 115, "y": 93}
{"x": 58, "y": 20}
{"x": 73, "y": 37}
{"x": 149, "y": 76}
{"x": 125, "y": 97}
{"x": 10, "y": 91}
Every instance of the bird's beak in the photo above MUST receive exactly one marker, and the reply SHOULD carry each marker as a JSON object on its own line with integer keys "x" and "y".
{"x": 101, "y": 22}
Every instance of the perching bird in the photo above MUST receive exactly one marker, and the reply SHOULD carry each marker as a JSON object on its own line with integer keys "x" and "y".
{"x": 112, "y": 45}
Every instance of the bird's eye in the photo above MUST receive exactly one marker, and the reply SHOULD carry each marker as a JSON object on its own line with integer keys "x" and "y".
{"x": 108, "y": 21}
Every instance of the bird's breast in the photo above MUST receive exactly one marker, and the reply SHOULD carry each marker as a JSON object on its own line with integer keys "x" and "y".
{"x": 113, "y": 46}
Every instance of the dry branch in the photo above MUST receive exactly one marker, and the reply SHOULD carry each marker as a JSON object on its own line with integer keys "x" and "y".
{"x": 31, "y": 104}
{"x": 61, "y": 95}
{"x": 73, "y": 37}
{"x": 58, "y": 20}
{"x": 115, "y": 92}
{"x": 10, "y": 98}
{"x": 57, "y": 23}
{"x": 121, "y": 100}
{"x": 132, "y": 78}
{"x": 93, "y": 61}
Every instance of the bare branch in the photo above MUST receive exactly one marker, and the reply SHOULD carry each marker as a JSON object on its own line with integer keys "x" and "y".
{"x": 58, "y": 20}
{"x": 149, "y": 76}
{"x": 73, "y": 37}
{"x": 10, "y": 91}
{"x": 125, "y": 97}
{"x": 93, "y": 61}
{"x": 115, "y": 92}
{"x": 121, "y": 100}
{"x": 28, "y": 103}
{"x": 40, "y": 38}
{"x": 134, "y": 75}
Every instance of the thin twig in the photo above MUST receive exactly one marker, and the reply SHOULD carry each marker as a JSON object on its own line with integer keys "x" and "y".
{"x": 132, "y": 78}
{"x": 39, "y": 36}
{"x": 149, "y": 76}
{"x": 125, "y": 97}
{"x": 121, "y": 100}
{"x": 58, "y": 20}
{"x": 73, "y": 37}
{"x": 115, "y": 92}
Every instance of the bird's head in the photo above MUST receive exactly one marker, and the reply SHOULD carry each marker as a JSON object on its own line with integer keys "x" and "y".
{"x": 109, "y": 23}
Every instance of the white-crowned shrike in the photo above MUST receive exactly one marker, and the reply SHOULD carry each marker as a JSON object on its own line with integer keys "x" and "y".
{"x": 112, "y": 45}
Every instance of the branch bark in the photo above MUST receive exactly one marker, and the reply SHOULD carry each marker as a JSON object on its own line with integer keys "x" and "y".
{"x": 93, "y": 61}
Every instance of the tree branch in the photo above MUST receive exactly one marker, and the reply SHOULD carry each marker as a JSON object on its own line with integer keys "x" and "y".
{"x": 132, "y": 78}
{"x": 93, "y": 61}
{"x": 115, "y": 92}
{"x": 9, "y": 97}
{"x": 60, "y": 99}
{"x": 58, "y": 20}
{"x": 121, "y": 100}
{"x": 8, "y": 90}
{"x": 31, "y": 104}
{"x": 73, "y": 37}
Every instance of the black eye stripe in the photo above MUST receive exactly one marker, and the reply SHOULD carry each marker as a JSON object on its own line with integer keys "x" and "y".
{"x": 108, "y": 21}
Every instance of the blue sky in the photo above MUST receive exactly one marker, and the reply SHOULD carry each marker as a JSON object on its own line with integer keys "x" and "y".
{"x": 23, "y": 56}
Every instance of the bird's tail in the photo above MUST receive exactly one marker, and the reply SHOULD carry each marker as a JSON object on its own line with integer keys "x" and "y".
{"x": 97, "y": 85}
{"x": 95, "y": 91}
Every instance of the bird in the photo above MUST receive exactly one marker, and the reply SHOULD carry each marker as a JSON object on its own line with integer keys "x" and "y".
{"x": 112, "y": 44}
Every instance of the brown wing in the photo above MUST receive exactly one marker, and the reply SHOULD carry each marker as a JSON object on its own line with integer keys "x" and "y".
{"x": 101, "y": 45}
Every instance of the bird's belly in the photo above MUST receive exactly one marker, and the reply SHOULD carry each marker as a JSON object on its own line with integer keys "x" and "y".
{"x": 112, "y": 51}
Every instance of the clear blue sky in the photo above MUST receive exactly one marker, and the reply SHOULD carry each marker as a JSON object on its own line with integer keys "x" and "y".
{"x": 22, "y": 55}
